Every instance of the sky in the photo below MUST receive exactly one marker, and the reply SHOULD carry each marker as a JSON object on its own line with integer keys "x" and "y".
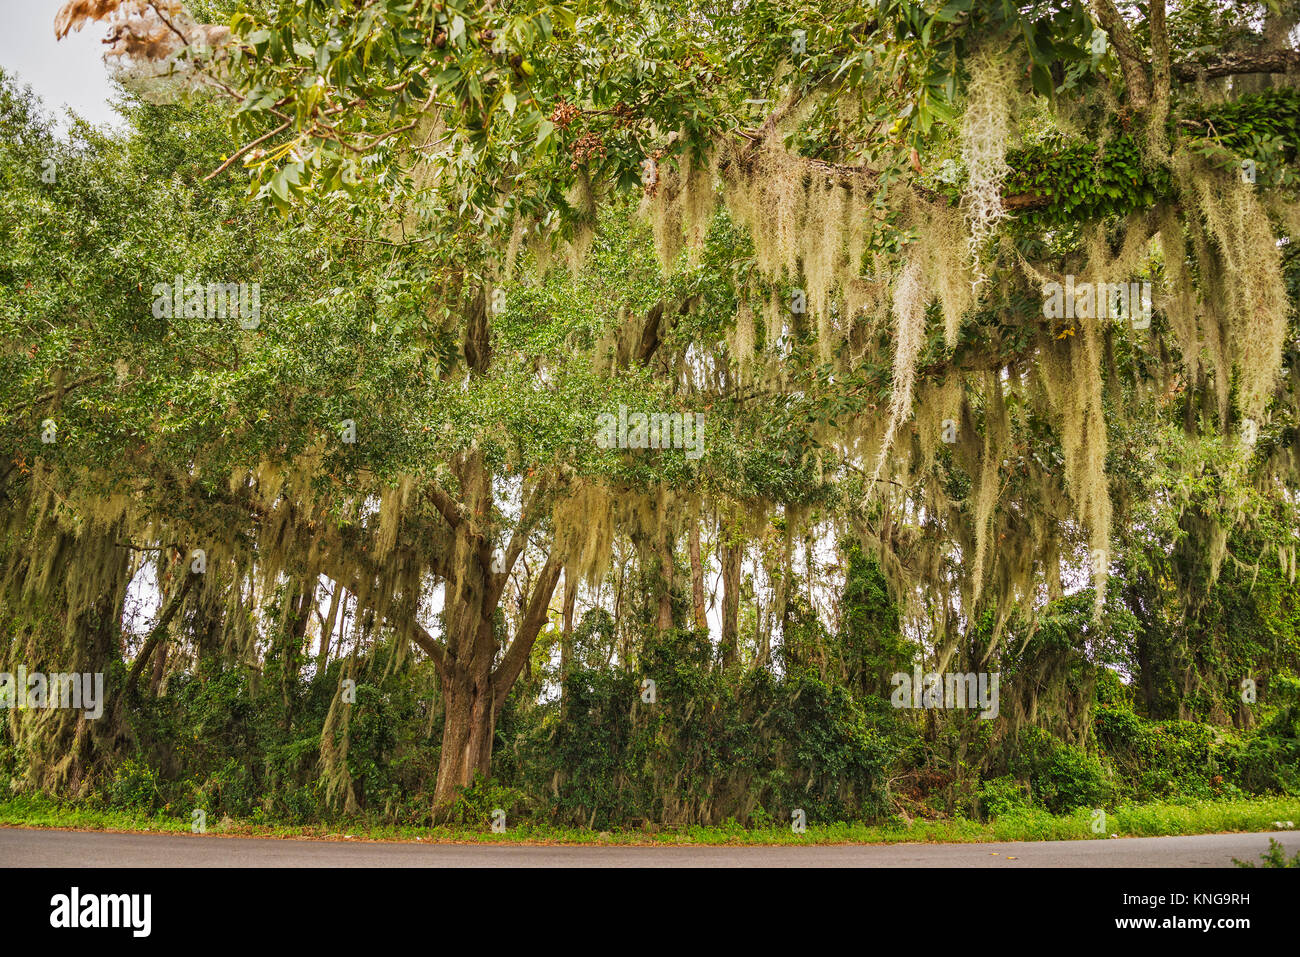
{"x": 65, "y": 73}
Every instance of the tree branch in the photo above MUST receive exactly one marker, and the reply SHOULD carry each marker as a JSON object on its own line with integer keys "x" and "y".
{"x": 512, "y": 663}
{"x": 428, "y": 644}
{"x": 1131, "y": 58}
{"x": 528, "y": 516}
{"x": 1232, "y": 64}
{"x": 1159, "y": 60}
{"x": 158, "y": 631}
{"x": 447, "y": 506}
{"x": 245, "y": 148}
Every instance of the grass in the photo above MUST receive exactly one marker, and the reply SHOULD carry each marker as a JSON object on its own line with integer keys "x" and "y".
{"x": 1025, "y": 824}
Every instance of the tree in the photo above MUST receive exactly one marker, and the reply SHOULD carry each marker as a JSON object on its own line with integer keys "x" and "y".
{"x": 858, "y": 285}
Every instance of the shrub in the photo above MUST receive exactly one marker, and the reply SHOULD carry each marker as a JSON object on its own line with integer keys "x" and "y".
{"x": 1061, "y": 776}
{"x": 477, "y": 802}
{"x": 135, "y": 787}
{"x": 999, "y": 795}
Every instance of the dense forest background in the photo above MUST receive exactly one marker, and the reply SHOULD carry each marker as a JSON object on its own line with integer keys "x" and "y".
{"x": 426, "y": 592}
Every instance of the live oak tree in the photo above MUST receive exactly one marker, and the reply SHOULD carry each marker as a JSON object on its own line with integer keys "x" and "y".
{"x": 184, "y": 433}
{"x": 857, "y": 210}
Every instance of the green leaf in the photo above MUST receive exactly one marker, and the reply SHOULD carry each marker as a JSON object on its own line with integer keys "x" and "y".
{"x": 1041, "y": 79}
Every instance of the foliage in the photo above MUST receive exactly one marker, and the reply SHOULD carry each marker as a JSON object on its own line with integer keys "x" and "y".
{"x": 1275, "y": 856}
{"x": 827, "y": 235}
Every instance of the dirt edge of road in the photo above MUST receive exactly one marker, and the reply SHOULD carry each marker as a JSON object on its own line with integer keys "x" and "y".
{"x": 428, "y": 842}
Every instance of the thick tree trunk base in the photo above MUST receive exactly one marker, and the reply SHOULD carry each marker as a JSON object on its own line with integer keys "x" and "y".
{"x": 468, "y": 729}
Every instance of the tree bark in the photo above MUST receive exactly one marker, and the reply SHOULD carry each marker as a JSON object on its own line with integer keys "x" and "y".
{"x": 781, "y": 611}
{"x": 1232, "y": 64}
{"x": 655, "y": 551}
{"x": 1132, "y": 60}
{"x": 471, "y": 646}
{"x": 473, "y": 691}
{"x": 732, "y": 554}
{"x": 566, "y": 634}
{"x": 158, "y": 631}
{"x": 327, "y": 630}
{"x": 664, "y": 618}
{"x": 159, "y": 668}
{"x": 469, "y": 724}
{"x": 301, "y": 600}
{"x": 697, "y": 574}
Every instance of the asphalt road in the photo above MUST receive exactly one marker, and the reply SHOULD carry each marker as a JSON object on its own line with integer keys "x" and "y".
{"x": 22, "y": 847}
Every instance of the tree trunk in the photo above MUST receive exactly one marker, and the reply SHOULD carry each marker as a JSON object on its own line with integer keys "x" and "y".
{"x": 697, "y": 574}
{"x": 159, "y": 668}
{"x": 466, "y": 673}
{"x": 469, "y": 724}
{"x": 158, "y": 633}
{"x": 664, "y": 551}
{"x": 300, "y": 601}
{"x": 781, "y": 609}
{"x": 473, "y": 691}
{"x": 620, "y": 631}
{"x": 732, "y": 554}
{"x": 327, "y": 630}
{"x": 566, "y": 634}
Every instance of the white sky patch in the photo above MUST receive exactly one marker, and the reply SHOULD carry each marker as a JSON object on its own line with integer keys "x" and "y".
{"x": 66, "y": 74}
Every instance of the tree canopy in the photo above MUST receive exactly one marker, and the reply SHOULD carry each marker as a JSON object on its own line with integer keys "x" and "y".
{"x": 827, "y": 236}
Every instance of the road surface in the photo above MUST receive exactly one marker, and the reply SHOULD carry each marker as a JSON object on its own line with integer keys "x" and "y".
{"x": 23, "y": 847}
